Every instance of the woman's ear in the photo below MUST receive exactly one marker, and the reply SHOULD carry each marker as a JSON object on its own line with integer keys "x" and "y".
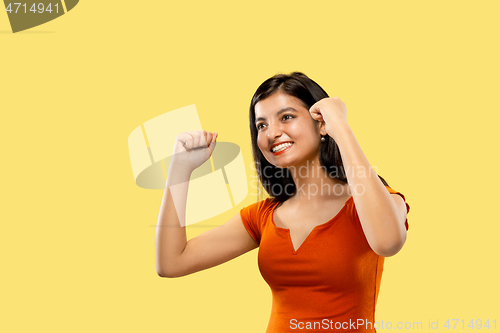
{"x": 321, "y": 127}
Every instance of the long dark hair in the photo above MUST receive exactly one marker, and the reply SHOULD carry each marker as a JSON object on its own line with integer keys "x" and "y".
{"x": 296, "y": 84}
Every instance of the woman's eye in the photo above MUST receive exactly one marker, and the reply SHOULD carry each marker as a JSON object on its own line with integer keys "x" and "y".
{"x": 259, "y": 126}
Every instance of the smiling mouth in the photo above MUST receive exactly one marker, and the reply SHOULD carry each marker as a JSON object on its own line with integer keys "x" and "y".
{"x": 281, "y": 148}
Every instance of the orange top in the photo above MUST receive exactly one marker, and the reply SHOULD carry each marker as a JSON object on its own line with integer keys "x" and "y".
{"x": 331, "y": 282}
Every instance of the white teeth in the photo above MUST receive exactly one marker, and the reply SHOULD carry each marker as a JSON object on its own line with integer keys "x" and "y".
{"x": 281, "y": 147}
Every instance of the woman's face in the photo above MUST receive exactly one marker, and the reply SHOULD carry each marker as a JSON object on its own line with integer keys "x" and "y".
{"x": 281, "y": 118}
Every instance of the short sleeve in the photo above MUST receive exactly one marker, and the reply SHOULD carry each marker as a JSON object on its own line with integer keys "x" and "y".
{"x": 251, "y": 216}
{"x": 407, "y": 206}
{"x": 354, "y": 214}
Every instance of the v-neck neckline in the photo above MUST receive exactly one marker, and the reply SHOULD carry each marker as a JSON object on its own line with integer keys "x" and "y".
{"x": 295, "y": 251}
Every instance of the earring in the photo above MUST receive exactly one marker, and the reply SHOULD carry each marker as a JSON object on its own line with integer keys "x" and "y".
{"x": 323, "y": 139}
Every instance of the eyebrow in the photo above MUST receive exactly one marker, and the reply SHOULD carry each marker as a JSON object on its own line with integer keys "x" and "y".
{"x": 277, "y": 113}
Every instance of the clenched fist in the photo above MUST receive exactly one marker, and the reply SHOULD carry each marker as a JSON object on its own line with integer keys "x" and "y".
{"x": 192, "y": 149}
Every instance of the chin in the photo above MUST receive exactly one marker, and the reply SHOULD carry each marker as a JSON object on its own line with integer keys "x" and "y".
{"x": 283, "y": 164}
{"x": 274, "y": 163}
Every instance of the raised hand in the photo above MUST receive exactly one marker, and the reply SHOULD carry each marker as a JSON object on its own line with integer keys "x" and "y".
{"x": 192, "y": 149}
{"x": 332, "y": 111}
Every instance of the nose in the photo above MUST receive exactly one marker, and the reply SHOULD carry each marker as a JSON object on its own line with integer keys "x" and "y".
{"x": 274, "y": 131}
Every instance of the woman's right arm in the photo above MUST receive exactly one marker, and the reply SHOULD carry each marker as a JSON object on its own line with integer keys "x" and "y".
{"x": 175, "y": 256}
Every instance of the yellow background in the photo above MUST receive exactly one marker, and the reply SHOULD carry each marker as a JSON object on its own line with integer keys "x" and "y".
{"x": 420, "y": 81}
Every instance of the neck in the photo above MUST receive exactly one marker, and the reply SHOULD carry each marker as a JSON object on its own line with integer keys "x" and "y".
{"x": 314, "y": 184}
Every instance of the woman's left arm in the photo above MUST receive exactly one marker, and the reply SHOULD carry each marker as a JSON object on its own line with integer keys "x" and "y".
{"x": 382, "y": 214}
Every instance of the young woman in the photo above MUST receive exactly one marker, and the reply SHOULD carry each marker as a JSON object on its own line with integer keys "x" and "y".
{"x": 326, "y": 228}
